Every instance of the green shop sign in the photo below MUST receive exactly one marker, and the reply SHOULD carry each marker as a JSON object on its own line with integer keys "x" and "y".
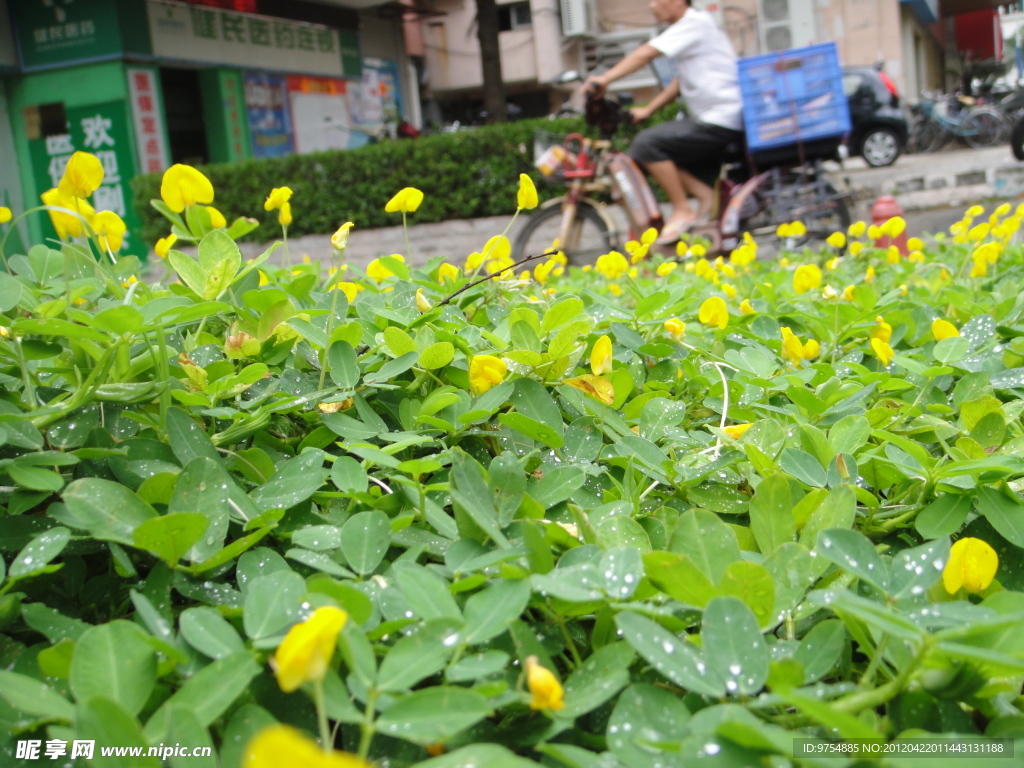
{"x": 54, "y": 31}
{"x": 101, "y": 129}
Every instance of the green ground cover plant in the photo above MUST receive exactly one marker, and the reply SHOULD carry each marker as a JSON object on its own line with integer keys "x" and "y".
{"x": 505, "y": 515}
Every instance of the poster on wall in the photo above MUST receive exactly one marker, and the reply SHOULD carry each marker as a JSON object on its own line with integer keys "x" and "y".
{"x": 101, "y": 129}
{"x": 379, "y": 105}
{"x": 270, "y": 124}
{"x": 149, "y": 133}
{"x": 321, "y": 114}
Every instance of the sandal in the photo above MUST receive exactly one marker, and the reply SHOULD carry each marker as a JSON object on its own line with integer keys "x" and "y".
{"x": 672, "y": 233}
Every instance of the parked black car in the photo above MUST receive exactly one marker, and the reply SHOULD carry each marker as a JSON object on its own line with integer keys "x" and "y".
{"x": 877, "y": 118}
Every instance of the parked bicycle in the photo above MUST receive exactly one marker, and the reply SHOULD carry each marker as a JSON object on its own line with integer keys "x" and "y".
{"x": 787, "y": 184}
{"x": 941, "y": 118}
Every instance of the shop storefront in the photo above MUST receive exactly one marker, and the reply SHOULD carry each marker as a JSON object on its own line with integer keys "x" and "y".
{"x": 147, "y": 83}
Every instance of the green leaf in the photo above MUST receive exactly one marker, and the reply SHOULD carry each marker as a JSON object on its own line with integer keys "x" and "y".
{"x": 915, "y": 571}
{"x": 483, "y": 754}
{"x": 108, "y": 510}
{"x": 365, "y": 539}
{"x": 122, "y": 319}
{"x": 622, "y": 568}
{"x": 803, "y": 467}
{"x": 415, "y": 658}
{"x": 398, "y": 341}
{"x": 852, "y": 551}
{"x": 433, "y": 715}
{"x": 771, "y": 512}
{"x": 34, "y": 697}
{"x": 561, "y": 312}
{"x": 208, "y": 693}
{"x": 203, "y": 487}
{"x": 209, "y": 632}
{"x": 471, "y": 494}
{"x": 951, "y": 350}
{"x": 598, "y": 679}
{"x": 507, "y": 481}
{"x": 215, "y": 249}
{"x": 480, "y": 665}
{"x": 437, "y": 356}
{"x": 185, "y": 728}
{"x": 344, "y": 367}
{"x": 490, "y": 611}
{"x": 169, "y": 537}
{"x": 709, "y": 542}
{"x": 820, "y": 649}
{"x": 533, "y": 400}
{"x": 187, "y": 440}
{"x": 40, "y": 551}
{"x": 1005, "y": 514}
{"x": 676, "y": 660}
{"x": 733, "y": 646}
{"x": 622, "y": 531}
{"x": 114, "y": 660}
{"x": 52, "y": 623}
{"x": 272, "y": 604}
{"x": 642, "y": 711}
{"x": 426, "y": 592}
{"x": 107, "y": 722}
{"x": 191, "y": 274}
{"x": 752, "y": 584}
{"x": 295, "y": 481}
{"x": 35, "y": 478}
{"x": 532, "y": 429}
{"x": 679, "y": 578}
{"x": 874, "y": 614}
{"x": 10, "y": 292}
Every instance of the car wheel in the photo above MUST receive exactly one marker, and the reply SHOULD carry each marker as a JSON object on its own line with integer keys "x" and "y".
{"x": 1017, "y": 140}
{"x": 880, "y": 147}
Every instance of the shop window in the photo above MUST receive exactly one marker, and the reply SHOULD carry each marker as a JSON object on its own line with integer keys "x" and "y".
{"x": 44, "y": 120}
{"x": 514, "y": 16}
{"x": 183, "y": 110}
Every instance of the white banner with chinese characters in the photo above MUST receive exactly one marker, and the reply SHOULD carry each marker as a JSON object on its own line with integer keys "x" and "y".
{"x": 149, "y": 135}
{"x": 199, "y": 33}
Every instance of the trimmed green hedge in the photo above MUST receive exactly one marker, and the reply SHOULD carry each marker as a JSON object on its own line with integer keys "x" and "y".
{"x": 466, "y": 175}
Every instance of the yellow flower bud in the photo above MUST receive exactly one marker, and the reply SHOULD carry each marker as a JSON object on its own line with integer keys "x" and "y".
{"x": 527, "y": 195}
{"x": 746, "y": 308}
{"x": 306, "y": 650}
{"x": 406, "y": 200}
{"x": 972, "y": 565}
{"x": 544, "y": 686}
{"x": 601, "y": 356}
{"x": 485, "y": 372}
{"x": 943, "y": 329}
{"x": 714, "y": 312}
{"x": 806, "y": 278}
{"x": 666, "y": 269}
{"x": 5, "y": 214}
{"x": 736, "y": 430}
{"x": 836, "y": 240}
{"x": 882, "y": 351}
{"x": 183, "y": 185}
{"x": 857, "y": 229}
{"x": 278, "y": 745}
{"x": 340, "y": 238}
{"x": 82, "y": 175}
{"x": 676, "y": 328}
{"x": 422, "y": 304}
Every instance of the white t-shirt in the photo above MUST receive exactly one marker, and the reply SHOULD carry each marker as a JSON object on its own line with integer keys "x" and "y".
{"x": 706, "y": 65}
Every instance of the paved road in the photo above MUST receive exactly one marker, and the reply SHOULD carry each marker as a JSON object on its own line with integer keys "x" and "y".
{"x": 934, "y": 189}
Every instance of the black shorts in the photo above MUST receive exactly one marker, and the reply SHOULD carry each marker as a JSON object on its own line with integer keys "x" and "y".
{"x": 692, "y": 145}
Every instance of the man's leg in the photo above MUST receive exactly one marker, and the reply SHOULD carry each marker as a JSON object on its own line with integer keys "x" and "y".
{"x": 670, "y": 178}
{"x": 697, "y": 189}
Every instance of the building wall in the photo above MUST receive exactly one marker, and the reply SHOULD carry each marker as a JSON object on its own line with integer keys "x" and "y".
{"x": 10, "y": 180}
{"x": 382, "y": 38}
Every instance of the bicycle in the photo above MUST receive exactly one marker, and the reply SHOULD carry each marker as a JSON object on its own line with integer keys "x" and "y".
{"x": 957, "y": 117}
{"x": 787, "y": 184}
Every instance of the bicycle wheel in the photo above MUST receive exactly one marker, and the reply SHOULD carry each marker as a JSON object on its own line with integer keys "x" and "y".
{"x": 932, "y": 137}
{"x": 982, "y": 128}
{"x": 817, "y": 204}
{"x": 1017, "y": 140}
{"x": 588, "y": 238}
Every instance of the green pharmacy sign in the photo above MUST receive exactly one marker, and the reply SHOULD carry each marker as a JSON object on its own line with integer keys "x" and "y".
{"x": 55, "y": 31}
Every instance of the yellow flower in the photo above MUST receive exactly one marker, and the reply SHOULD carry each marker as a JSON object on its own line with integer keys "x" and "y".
{"x": 611, "y": 265}
{"x": 848, "y": 292}
{"x": 915, "y": 257}
{"x": 988, "y": 252}
{"x": 972, "y": 565}
{"x": 284, "y": 216}
{"x": 943, "y": 329}
{"x": 596, "y": 386}
{"x": 542, "y": 271}
{"x": 264, "y": 280}
{"x": 447, "y": 273}
{"x": 836, "y": 240}
{"x": 882, "y": 351}
{"x": 67, "y": 224}
{"x": 666, "y": 269}
{"x": 422, "y": 304}
{"x": 915, "y": 244}
{"x": 904, "y": 290}
{"x": 974, "y": 210}
{"x": 746, "y": 308}
{"x": 869, "y": 274}
{"x": 882, "y": 330}
{"x": 614, "y": 289}
{"x": 979, "y": 231}
{"x": 486, "y": 371}
{"x": 894, "y": 227}
{"x": 697, "y": 250}
{"x": 128, "y": 283}
{"x": 407, "y": 200}
{"x": 279, "y": 745}
{"x": 729, "y": 290}
{"x": 544, "y": 686}
{"x": 676, "y": 328}
{"x": 736, "y": 430}
{"x": 892, "y": 255}
{"x": 1001, "y": 211}
{"x": 498, "y": 248}
{"x": 340, "y": 238}
{"x": 829, "y": 293}
{"x": 796, "y": 352}
{"x": 109, "y": 228}
{"x": 874, "y": 232}
{"x": 832, "y": 264}
{"x": 305, "y": 652}
{"x": 378, "y": 271}
{"x": 727, "y": 270}
{"x": 806, "y": 278}
{"x": 792, "y": 229}
{"x": 350, "y": 290}
{"x": 5, "y": 214}
{"x": 743, "y": 255}
{"x": 217, "y": 219}
{"x": 277, "y": 198}
{"x": 601, "y": 356}
{"x": 857, "y": 229}
{"x": 527, "y": 195}
{"x": 980, "y": 268}
{"x": 703, "y": 268}
{"x": 82, "y": 175}
{"x": 855, "y": 248}
{"x": 714, "y": 312}
{"x": 474, "y": 260}
{"x": 183, "y": 185}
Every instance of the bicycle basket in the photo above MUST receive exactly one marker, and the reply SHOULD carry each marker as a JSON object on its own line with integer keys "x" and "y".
{"x": 549, "y": 155}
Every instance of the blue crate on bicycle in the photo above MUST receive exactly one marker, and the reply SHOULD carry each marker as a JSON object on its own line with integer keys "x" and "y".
{"x": 793, "y": 96}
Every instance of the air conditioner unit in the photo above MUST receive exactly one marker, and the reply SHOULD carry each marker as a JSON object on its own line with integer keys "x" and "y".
{"x": 579, "y": 18}
{"x": 784, "y": 24}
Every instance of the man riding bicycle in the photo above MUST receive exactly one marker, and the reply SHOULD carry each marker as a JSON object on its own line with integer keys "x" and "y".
{"x": 684, "y": 156}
